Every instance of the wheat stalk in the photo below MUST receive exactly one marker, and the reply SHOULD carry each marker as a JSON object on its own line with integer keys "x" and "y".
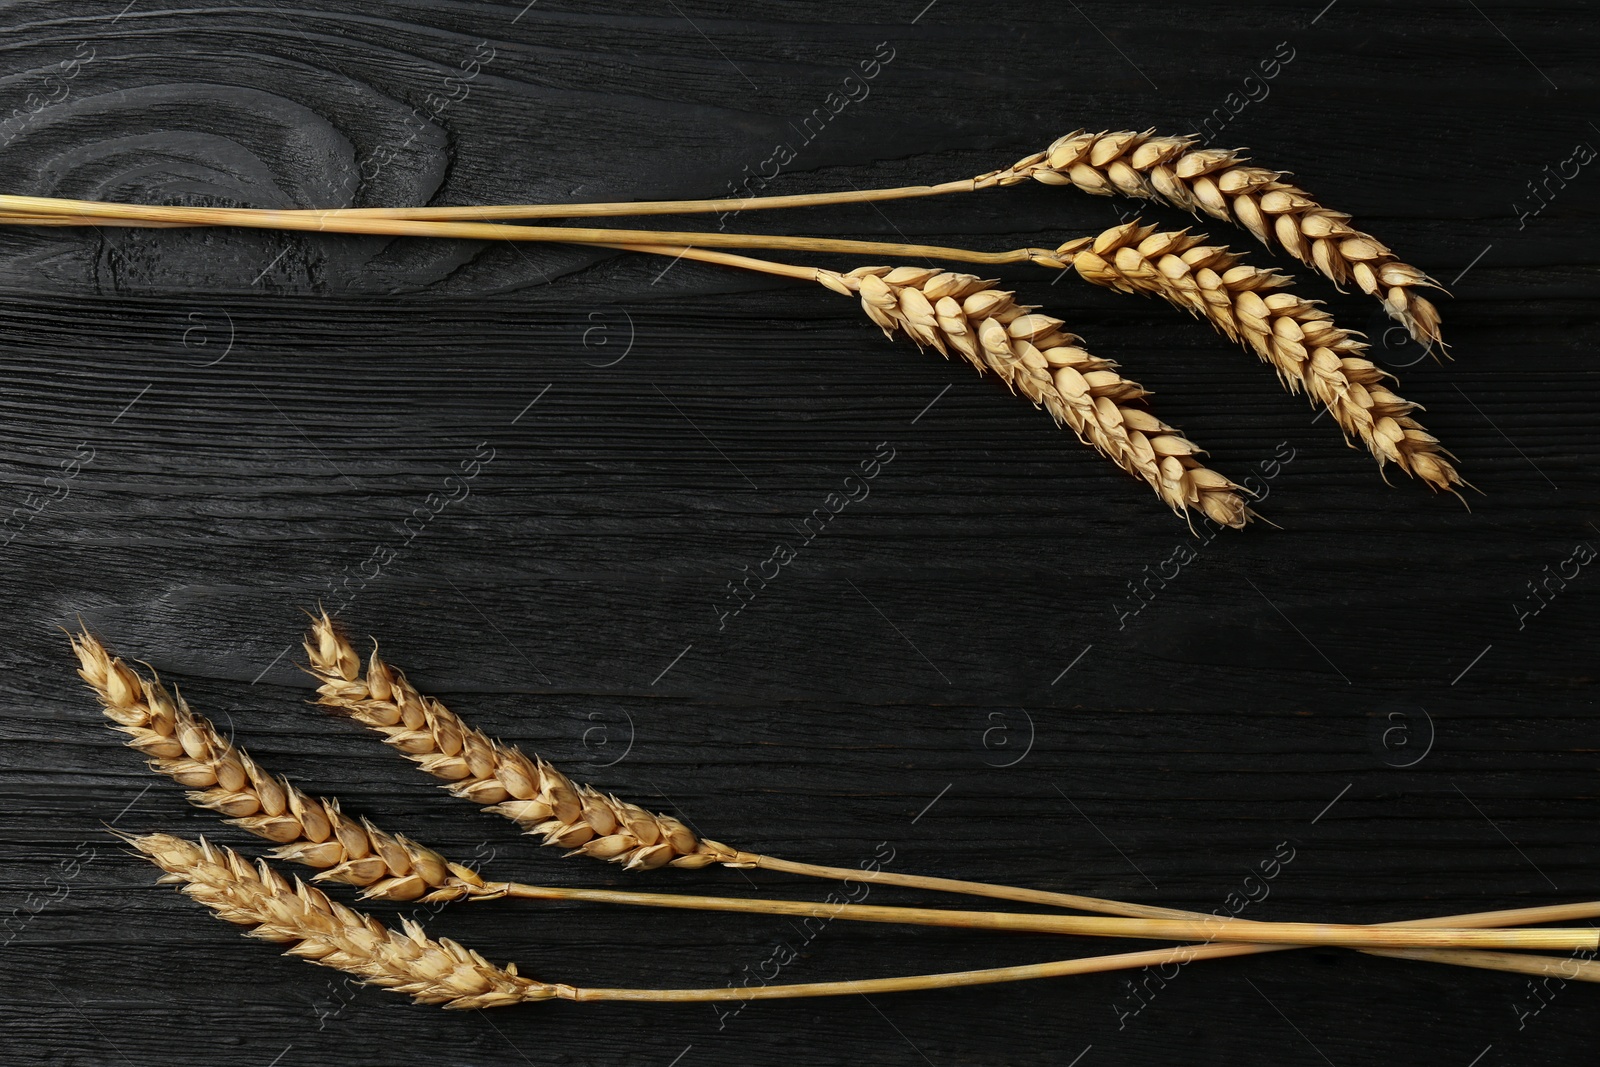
{"x": 558, "y": 810}
{"x": 34, "y": 210}
{"x": 326, "y": 932}
{"x": 445, "y": 973}
{"x": 161, "y": 726}
{"x": 1295, "y": 336}
{"x": 187, "y": 748}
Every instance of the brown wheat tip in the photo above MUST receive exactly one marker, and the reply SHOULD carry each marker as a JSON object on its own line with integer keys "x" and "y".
{"x": 1033, "y": 356}
{"x": 1295, "y": 336}
{"x": 525, "y": 789}
{"x": 188, "y": 748}
{"x": 1221, "y": 183}
{"x": 326, "y": 932}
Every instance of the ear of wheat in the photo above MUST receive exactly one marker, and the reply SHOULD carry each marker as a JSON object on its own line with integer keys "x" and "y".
{"x": 187, "y": 748}
{"x": 527, "y": 790}
{"x": 1033, "y": 356}
{"x": 326, "y": 932}
{"x": 1295, "y": 337}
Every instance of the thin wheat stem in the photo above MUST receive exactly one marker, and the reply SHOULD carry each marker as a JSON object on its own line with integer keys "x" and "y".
{"x": 91, "y": 211}
{"x": 990, "y": 890}
{"x": 724, "y": 259}
{"x": 505, "y": 212}
{"x": 185, "y": 745}
{"x": 19, "y": 219}
{"x": 1209, "y": 928}
{"x": 1554, "y": 967}
{"x": 1121, "y": 961}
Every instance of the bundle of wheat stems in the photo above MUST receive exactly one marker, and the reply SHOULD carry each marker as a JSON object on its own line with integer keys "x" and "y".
{"x": 315, "y": 832}
{"x": 967, "y": 315}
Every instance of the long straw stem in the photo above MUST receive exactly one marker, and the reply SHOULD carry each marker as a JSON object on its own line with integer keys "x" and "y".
{"x": 1465, "y": 958}
{"x": 1210, "y": 928}
{"x": 33, "y": 207}
{"x": 491, "y": 212}
{"x": 1577, "y": 970}
{"x": 973, "y": 889}
{"x": 947, "y": 980}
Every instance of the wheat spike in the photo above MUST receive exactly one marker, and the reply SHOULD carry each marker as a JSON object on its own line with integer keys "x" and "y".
{"x": 1221, "y": 183}
{"x": 326, "y": 932}
{"x": 1033, "y": 356}
{"x": 527, "y": 790}
{"x": 1296, "y": 337}
{"x": 188, "y": 748}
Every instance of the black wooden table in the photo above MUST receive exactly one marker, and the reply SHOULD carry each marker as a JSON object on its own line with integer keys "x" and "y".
{"x": 206, "y": 432}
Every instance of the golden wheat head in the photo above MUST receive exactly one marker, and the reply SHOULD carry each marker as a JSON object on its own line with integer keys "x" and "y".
{"x": 525, "y": 789}
{"x": 326, "y": 932}
{"x": 965, "y": 315}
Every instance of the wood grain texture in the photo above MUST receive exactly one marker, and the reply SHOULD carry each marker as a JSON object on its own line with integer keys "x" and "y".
{"x": 264, "y": 411}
